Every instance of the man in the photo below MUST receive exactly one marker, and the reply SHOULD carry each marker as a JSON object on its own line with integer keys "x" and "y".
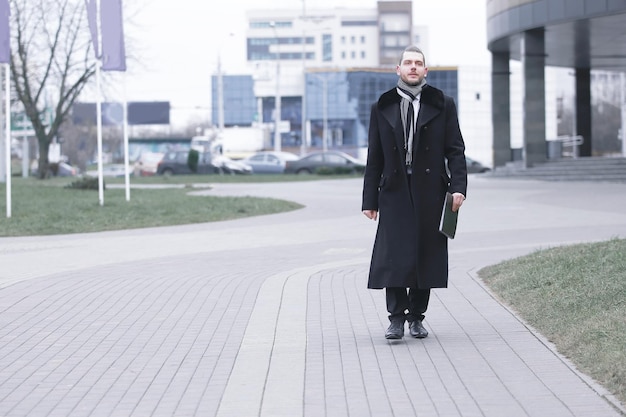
{"x": 415, "y": 154}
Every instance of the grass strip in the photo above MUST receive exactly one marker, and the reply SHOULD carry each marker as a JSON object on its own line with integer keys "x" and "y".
{"x": 575, "y": 296}
{"x": 47, "y": 208}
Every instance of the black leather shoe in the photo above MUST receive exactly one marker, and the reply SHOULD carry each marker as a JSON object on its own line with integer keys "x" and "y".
{"x": 395, "y": 330}
{"x": 417, "y": 329}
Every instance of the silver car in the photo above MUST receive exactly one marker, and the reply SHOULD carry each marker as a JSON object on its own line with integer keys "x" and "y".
{"x": 269, "y": 162}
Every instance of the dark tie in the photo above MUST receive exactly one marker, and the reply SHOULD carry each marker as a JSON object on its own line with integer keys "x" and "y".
{"x": 409, "y": 120}
{"x": 409, "y": 132}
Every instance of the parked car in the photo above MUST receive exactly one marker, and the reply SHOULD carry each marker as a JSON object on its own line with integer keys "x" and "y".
{"x": 269, "y": 162}
{"x": 474, "y": 166}
{"x": 58, "y": 169}
{"x": 111, "y": 170}
{"x": 176, "y": 163}
{"x": 225, "y": 165}
{"x": 337, "y": 161}
{"x": 147, "y": 163}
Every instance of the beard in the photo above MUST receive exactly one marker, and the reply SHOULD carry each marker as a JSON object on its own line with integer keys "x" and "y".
{"x": 413, "y": 82}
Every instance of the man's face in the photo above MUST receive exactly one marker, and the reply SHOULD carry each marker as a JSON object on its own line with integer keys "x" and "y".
{"x": 412, "y": 69}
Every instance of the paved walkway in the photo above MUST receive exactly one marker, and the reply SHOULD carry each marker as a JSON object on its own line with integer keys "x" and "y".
{"x": 270, "y": 316}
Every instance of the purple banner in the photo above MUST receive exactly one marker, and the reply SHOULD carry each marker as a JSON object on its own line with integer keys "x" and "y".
{"x": 92, "y": 19}
{"x": 5, "y": 32}
{"x": 112, "y": 33}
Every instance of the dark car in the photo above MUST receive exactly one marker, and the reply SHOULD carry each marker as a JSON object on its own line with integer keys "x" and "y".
{"x": 330, "y": 161}
{"x": 177, "y": 163}
{"x": 475, "y": 167}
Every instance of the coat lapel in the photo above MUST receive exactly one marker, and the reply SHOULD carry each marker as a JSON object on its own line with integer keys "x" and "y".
{"x": 391, "y": 113}
{"x": 426, "y": 114}
{"x": 431, "y": 104}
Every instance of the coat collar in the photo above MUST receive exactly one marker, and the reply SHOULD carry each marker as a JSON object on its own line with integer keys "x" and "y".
{"x": 430, "y": 97}
{"x": 431, "y": 104}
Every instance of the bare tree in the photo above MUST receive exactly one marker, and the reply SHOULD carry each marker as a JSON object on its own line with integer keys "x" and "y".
{"x": 51, "y": 62}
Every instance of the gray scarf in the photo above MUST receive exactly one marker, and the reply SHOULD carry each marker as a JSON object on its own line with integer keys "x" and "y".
{"x": 408, "y": 94}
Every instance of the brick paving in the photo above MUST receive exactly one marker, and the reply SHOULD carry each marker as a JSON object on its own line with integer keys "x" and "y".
{"x": 270, "y": 316}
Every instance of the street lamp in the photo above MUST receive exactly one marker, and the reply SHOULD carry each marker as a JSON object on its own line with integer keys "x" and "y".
{"x": 220, "y": 95}
{"x": 303, "y": 116}
{"x": 220, "y": 90}
{"x": 325, "y": 113}
{"x": 324, "y": 81}
{"x": 623, "y": 111}
{"x": 278, "y": 116}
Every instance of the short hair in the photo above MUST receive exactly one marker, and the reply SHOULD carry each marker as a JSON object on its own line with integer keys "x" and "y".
{"x": 412, "y": 48}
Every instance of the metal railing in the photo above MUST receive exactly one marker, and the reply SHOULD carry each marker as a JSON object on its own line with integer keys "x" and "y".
{"x": 565, "y": 146}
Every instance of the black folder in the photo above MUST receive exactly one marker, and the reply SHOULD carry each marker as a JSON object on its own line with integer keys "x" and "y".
{"x": 447, "y": 224}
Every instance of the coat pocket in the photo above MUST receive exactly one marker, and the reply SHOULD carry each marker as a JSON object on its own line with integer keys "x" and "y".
{"x": 446, "y": 180}
{"x": 381, "y": 183}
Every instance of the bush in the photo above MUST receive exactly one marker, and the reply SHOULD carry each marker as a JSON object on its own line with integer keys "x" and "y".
{"x": 85, "y": 183}
{"x": 192, "y": 160}
{"x": 337, "y": 171}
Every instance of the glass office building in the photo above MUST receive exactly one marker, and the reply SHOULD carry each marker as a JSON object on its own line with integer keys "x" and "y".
{"x": 338, "y": 99}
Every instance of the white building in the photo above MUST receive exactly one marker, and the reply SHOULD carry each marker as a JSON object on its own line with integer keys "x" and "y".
{"x": 282, "y": 43}
{"x": 287, "y": 47}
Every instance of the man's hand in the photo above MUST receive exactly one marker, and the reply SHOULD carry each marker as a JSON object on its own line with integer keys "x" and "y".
{"x": 372, "y": 214}
{"x": 457, "y": 201}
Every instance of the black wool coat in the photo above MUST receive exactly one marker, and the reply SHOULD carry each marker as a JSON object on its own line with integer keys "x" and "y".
{"x": 409, "y": 251}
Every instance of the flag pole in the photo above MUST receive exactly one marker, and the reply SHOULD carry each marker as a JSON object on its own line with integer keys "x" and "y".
{"x": 99, "y": 135}
{"x": 125, "y": 127}
{"x": 7, "y": 139}
{"x": 110, "y": 56}
{"x": 99, "y": 108}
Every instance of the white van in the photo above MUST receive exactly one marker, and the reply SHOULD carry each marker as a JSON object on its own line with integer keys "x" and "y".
{"x": 206, "y": 144}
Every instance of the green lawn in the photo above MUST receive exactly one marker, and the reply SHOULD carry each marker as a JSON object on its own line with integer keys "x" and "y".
{"x": 48, "y": 207}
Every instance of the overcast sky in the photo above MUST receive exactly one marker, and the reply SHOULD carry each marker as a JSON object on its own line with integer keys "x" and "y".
{"x": 178, "y": 41}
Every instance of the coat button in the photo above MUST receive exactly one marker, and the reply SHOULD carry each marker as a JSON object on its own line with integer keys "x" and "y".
{"x": 427, "y": 170}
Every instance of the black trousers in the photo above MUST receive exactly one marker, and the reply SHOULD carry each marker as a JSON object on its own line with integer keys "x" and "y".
{"x": 408, "y": 304}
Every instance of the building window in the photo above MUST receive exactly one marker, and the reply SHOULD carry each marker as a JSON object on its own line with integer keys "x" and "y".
{"x": 352, "y": 54}
{"x": 394, "y": 40}
{"x": 343, "y": 54}
{"x": 327, "y": 47}
{"x": 395, "y": 22}
{"x": 362, "y": 54}
{"x": 270, "y": 24}
{"x": 362, "y": 39}
{"x": 352, "y": 40}
{"x": 359, "y": 23}
{"x": 343, "y": 40}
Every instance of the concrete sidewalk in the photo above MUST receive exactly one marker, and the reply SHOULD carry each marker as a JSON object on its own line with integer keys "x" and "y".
{"x": 270, "y": 316}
